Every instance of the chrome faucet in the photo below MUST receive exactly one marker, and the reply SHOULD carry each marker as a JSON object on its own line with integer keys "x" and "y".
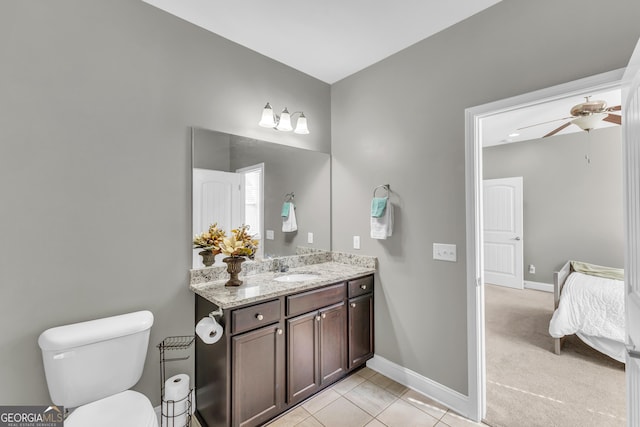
{"x": 280, "y": 266}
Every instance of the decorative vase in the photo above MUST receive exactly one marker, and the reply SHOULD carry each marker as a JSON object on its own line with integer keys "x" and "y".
{"x": 234, "y": 267}
{"x": 208, "y": 257}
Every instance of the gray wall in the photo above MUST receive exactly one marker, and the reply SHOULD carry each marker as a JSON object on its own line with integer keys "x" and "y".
{"x": 401, "y": 122}
{"x": 95, "y": 162}
{"x": 211, "y": 150}
{"x": 572, "y": 209}
{"x": 287, "y": 169}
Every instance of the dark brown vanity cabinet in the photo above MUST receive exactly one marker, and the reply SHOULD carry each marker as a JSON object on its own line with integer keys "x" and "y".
{"x": 258, "y": 376}
{"x": 277, "y": 353}
{"x": 360, "y": 321}
{"x": 316, "y": 350}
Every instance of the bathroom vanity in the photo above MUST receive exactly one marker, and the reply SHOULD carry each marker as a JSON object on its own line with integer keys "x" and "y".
{"x": 282, "y": 342}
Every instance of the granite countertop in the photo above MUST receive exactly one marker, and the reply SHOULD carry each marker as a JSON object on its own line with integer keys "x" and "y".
{"x": 261, "y": 286}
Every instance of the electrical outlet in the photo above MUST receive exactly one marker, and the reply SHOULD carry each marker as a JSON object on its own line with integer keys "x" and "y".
{"x": 269, "y": 234}
{"x": 356, "y": 242}
{"x": 309, "y": 237}
{"x": 532, "y": 269}
{"x": 444, "y": 252}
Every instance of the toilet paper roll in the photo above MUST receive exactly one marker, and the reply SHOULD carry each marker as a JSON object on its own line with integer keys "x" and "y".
{"x": 174, "y": 405}
{"x": 209, "y": 330}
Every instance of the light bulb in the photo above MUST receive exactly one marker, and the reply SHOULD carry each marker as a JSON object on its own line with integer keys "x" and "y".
{"x": 301, "y": 125}
{"x": 285, "y": 121}
{"x": 267, "y": 120}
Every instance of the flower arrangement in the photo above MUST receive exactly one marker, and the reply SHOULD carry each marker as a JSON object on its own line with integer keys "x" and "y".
{"x": 239, "y": 244}
{"x": 210, "y": 240}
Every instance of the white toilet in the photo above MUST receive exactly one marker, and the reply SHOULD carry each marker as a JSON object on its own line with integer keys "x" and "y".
{"x": 91, "y": 365}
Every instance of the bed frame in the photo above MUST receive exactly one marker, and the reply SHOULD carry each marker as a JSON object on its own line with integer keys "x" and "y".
{"x": 559, "y": 277}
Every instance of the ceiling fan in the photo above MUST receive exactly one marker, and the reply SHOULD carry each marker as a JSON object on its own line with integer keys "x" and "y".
{"x": 586, "y": 116}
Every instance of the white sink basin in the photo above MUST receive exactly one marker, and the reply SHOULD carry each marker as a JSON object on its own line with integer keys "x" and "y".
{"x": 296, "y": 277}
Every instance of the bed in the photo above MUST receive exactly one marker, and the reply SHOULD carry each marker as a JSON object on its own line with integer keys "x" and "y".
{"x": 589, "y": 302}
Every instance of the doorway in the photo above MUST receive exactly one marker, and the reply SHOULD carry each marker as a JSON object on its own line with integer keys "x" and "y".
{"x": 475, "y": 256}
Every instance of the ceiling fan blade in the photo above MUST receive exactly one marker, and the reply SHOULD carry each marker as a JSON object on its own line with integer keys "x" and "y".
{"x": 544, "y": 123}
{"x": 556, "y": 130}
{"x": 616, "y": 108}
{"x": 613, "y": 118}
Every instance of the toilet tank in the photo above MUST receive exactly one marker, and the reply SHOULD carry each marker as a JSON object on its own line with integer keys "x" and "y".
{"x": 87, "y": 361}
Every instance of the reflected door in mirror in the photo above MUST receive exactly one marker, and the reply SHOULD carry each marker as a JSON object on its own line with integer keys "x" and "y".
{"x": 217, "y": 197}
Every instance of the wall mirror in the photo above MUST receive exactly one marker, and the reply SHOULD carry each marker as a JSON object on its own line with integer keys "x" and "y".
{"x": 239, "y": 180}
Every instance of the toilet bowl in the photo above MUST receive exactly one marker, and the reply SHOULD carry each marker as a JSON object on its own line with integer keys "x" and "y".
{"x": 128, "y": 408}
{"x": 91, "y": 365}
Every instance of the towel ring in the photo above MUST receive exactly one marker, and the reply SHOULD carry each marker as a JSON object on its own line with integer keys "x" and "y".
{"x": 384, "y": 187}
{"x": 289, "y": 197}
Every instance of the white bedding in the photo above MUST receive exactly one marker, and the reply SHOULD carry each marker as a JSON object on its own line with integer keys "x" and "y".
{"x": 590, "y": 305}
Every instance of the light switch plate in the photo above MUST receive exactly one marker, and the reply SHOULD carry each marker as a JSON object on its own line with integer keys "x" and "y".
{"x": 356, "y": 242}
{"x": 309, "y": 237}
{"x": 269, "y": 234}
{"x": 444, "y": 252}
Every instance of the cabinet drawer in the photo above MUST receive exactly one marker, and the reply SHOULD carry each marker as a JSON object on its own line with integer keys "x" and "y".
{"x": 361, "y": 286}
{"x": 244, "y": 319}
{"x": 313, "y": 300}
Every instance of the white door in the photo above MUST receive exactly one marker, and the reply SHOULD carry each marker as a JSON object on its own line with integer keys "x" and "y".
{"x": 502, "y": 219}
{"x": 217, "y": 197}
{"x": 631, "y": 144}
{"x": 254, "y": 203}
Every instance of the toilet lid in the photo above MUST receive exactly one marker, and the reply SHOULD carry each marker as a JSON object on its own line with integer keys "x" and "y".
{"x": 126, "y": 409}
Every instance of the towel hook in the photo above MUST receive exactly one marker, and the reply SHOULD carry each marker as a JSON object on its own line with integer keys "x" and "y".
{"x": 289, "y": 197}
{"x": 384, "y": 187}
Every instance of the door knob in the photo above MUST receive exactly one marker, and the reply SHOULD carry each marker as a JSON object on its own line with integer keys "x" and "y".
{"x": 516, "y": 238}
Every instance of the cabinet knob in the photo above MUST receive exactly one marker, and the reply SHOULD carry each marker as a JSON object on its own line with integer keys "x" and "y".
{"x": 324, "y": 315}
{"x": 259, "y": 316}
{"x": 353, "y": 305}
{"x": 279, "y": 331}
{"x": 363, "y": 287}
{"x": 318, "y": 318}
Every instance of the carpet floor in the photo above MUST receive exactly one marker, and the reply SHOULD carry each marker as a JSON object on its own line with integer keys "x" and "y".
{"x": 528, "y": 385}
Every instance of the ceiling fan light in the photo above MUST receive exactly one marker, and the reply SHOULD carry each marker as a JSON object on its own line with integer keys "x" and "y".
{"x": 267, "y": 119}
{"x": 285, "y": 121}
{"x": 590, "y": 121}
{"x": 301, "y": 125}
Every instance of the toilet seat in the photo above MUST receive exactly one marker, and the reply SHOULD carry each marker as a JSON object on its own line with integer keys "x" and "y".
{"x": 126, "y": 409}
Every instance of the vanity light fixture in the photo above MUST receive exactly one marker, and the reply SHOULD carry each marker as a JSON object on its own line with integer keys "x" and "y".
{"x": 283, "y": 121}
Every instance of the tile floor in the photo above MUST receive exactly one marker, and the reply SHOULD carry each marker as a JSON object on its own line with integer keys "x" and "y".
{"x": 369, "y": 399}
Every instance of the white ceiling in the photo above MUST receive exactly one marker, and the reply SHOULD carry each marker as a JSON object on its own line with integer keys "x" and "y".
{"x": 496, "y": 129}
{"x": 327, "y": 39}
{"x": 332, "y": 39}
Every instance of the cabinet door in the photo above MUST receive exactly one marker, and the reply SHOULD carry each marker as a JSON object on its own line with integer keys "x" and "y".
{"x": 333, "y": 343}
{"x": 360, "y": 330}
{"x": 257, "y": 367}
{"x": 302, "y": 356}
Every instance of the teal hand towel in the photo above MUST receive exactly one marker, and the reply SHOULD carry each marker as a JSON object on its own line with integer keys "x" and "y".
{"x": 285, "y": 209}
{"x": 378, "y": 205}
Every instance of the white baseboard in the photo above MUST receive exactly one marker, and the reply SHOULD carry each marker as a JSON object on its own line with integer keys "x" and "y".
{"x": 538, "y": 286}
{"x": 433, "y": 390}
